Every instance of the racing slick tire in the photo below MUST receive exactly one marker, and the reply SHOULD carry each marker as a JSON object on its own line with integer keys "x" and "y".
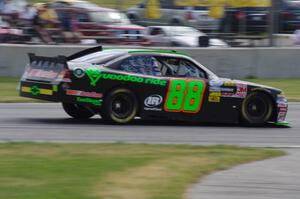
{"x": 257, "y": 109}
{"x": 120, "y": 106}
{"x": 77, "y": 111}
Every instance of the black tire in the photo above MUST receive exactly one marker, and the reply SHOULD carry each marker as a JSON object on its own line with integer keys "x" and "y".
{"x": 120, "y": 106}
{"x": 78, "y": 111}
{"x": 257, "y": 109}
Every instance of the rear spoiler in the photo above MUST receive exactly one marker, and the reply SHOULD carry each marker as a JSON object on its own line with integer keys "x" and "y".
{"x": 58, "y": 62}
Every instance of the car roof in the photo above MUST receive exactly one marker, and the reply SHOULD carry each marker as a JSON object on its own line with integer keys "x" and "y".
{"x": 154, "y": 51}
{"x": 115, "y": 53}
{"x": 146, "y": 51}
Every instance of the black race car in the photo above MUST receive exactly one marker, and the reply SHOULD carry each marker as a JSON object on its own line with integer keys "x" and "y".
{"x": 122, "y": 84}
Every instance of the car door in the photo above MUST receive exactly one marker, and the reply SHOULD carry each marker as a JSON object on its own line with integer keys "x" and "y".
{"x": 173, "y": 87}
{"x": 176, "y": 88}
{"x": 193, "y": 95}
{"x": 187, "y": 88}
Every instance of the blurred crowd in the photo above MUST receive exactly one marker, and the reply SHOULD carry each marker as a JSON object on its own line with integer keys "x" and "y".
{"x": 34, "y": 23}
{"x": 147, "y": 23}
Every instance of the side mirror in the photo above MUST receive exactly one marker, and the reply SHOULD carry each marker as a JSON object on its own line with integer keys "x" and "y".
{"x": 203, "y": 41}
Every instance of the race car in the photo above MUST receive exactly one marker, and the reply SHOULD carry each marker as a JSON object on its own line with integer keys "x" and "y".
{"x": 123, "y": 84}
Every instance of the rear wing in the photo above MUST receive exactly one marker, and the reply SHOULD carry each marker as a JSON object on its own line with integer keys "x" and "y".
{"x": 58, "y": 63}
{"x": 42, "y": 68}
{"x": 60, "y": 60}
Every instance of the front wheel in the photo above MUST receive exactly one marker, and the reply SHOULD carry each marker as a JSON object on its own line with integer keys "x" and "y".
{"x": 120, "y": 106}
{"x": 256, "y": 109}
{"x": 77, "y": 111}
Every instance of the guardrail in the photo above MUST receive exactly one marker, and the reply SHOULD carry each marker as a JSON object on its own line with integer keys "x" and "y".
{"x": 229, "y": 62}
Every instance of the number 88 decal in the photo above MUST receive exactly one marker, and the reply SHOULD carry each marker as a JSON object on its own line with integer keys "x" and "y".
{"x": 185, "y": 96}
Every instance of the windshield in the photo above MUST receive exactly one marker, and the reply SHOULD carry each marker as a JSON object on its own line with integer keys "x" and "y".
{"x": 109, "y": 17}
{"x": 182, "y": 31}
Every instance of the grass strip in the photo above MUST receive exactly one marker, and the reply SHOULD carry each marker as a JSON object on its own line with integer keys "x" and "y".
{"x": 90, "y": 171}
{"x": 9, "y": 93}
{"x": 289, "y": 86}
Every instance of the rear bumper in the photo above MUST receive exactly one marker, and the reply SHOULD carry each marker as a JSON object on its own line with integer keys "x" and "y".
{"x": 59, "y": 92}
{"x": 40, "y": 90}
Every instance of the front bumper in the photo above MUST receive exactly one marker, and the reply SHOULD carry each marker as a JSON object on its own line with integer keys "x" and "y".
{"x": 282, "y": 108}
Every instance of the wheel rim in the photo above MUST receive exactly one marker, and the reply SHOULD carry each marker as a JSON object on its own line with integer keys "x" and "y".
{"x": 122, "y": 106}
{"x": 257, "y": 108}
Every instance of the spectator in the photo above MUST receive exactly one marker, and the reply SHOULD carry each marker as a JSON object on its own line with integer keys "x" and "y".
{"x": 1, "y": 5}
{"x": 48, "y": 15}
{"x": 39, "y": 25}
{"x": 29, "y": 13}
{"x": 69, "y": 23}
{"x": 9, "y": 7}
{"x": 26, "y": 19}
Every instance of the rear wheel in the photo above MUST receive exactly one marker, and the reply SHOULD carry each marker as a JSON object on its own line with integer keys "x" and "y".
{"x": 78, "y": 111}
{"x": 257, "y": 109}
{"x": 120, "y": 106}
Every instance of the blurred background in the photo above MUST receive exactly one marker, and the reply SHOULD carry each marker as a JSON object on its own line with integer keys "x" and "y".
{"x": 180, "y": 23}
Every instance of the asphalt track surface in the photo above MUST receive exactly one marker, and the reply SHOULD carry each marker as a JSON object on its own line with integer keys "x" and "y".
{"x": 48, "y": 122}
{"x": 270, "y": 179}
{"x": 277, "y": 178}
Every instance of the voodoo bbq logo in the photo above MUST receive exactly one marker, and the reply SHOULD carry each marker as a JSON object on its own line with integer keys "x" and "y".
{"x": 95, "y": 75}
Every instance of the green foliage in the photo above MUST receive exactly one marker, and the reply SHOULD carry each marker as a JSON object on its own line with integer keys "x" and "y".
{"x": 9, "y": 90}
{"x": 87, "y": 171}
{"x": 289, "y": 86}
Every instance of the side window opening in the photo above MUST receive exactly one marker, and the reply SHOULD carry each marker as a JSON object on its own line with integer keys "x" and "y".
{"x": 177, "y": 67}
{"x": 156, "y": 31}
{"x": 142, "y": 64}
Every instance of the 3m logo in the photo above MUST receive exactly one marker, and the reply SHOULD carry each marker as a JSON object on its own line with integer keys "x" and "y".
{"x": 153, "y": 101}
{"x": 242, "y": 89}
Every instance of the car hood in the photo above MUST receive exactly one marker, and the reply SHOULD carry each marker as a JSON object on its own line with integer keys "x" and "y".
{"x": 250, "y": 84}
{"x": 126, "y": 27}
{"x": 193, "y": 41}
